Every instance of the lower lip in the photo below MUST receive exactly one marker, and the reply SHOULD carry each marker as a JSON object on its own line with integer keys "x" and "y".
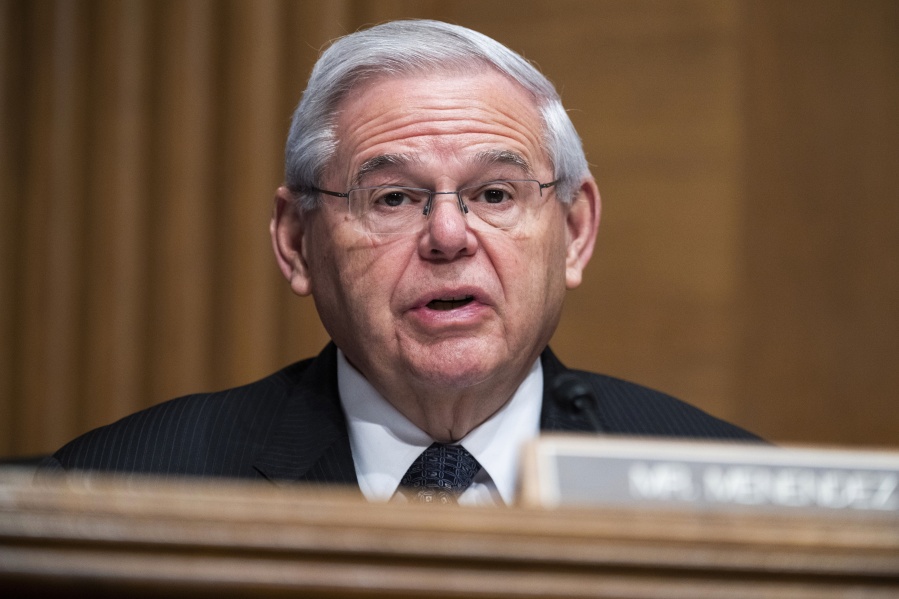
{"x": 470, "y": 314}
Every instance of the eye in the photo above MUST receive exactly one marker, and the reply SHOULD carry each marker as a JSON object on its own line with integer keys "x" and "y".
{"x": 393, "y": 197}
{"x": 494, "y": 193}
{"x": 495, "y": 196}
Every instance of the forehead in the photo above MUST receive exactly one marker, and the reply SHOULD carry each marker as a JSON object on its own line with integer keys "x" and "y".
{"x": 445, "y": 121}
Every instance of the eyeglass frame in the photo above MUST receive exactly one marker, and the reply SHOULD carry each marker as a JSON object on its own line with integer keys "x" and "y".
{"x": 426, "y": 211}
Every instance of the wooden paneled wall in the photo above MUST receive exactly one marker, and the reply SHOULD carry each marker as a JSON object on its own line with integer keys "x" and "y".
{"x": 748, "y": 259}
{"x": 820, "y": 234}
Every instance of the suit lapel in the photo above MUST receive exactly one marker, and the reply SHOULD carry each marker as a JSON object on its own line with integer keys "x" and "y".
{"x": 310, "y": 443}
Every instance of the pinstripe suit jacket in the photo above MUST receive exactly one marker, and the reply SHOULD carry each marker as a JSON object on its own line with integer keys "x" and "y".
{"x": 289, "y": 427}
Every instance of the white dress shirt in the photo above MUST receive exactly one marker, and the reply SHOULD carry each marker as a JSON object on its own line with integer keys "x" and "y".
{"x": 385, "y": 443}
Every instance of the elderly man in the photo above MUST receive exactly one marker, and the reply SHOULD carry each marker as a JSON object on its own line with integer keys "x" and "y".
{"x": 437, "y": 206}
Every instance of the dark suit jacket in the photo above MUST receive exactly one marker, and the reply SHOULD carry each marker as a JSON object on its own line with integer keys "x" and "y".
{"x": 289, "y": 427}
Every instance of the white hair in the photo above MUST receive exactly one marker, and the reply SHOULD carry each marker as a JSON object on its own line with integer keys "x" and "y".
{"x": 409, "y": 47}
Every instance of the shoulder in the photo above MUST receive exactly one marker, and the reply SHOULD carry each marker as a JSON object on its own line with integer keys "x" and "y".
{"x": 634, "y": 409}
{"x": 626, "y": 408}
{"x": 201, "y": 434}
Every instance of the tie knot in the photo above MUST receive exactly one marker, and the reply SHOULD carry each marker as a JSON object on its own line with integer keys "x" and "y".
{"x": 440, "y": 474}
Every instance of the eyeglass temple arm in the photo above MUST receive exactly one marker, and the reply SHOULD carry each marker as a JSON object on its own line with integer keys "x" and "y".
{"x": 550, "y": 184}
{"x": 336, "y": 194}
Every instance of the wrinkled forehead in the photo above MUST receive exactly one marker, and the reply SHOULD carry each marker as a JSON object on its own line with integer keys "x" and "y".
{"x": 404, "y": 120}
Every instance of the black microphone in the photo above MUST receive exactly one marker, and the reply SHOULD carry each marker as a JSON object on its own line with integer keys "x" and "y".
{"x": 578, "y": 397}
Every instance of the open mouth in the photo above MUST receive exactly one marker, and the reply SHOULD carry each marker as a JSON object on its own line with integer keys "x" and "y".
{"x": 450, "y": 303}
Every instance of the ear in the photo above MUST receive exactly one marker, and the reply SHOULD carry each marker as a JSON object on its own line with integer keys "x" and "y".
{"x": 288, "y": 229}
{"x": 583, "y": 223}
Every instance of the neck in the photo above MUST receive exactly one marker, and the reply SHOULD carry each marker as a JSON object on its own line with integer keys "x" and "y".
{"x": 445, "y": 413}
{"x": 448, "y": 417}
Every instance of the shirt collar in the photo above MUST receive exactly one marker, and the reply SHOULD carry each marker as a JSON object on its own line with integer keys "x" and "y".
{"x": 385, "y": 443}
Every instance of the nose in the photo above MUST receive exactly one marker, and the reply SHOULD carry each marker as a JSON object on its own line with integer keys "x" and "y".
{"x": 447, "y": 235}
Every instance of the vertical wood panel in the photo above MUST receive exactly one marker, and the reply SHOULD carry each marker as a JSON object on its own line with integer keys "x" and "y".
{"x": 184, "y": 202}
{"x": 116, "y": 281}
{"x": 823, "y": 249}
{"x": 53, "y": 232}
{"x": 250, "y": 170}
{"x": 12, "y": 105}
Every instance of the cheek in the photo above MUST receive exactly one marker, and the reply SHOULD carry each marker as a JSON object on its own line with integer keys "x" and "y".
{"x": 532, "y": 269}
{"x": 354, "y": 278}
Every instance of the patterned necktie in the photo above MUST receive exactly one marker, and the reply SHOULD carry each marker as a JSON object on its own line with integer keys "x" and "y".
{"x": 439, "y": 475}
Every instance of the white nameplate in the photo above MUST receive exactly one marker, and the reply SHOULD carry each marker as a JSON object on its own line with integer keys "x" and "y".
{"x": 581, "y": 470}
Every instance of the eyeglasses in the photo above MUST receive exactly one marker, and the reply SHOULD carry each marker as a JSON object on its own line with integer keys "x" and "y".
{"x": 390, "y": 210}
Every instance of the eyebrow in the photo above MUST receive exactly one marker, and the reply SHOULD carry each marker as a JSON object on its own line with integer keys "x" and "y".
{"x": 381, "y": 162}
{"x": 508, "y": 157}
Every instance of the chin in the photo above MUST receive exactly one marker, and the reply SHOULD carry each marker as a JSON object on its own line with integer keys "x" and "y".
{"x": 455, "y": 372}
